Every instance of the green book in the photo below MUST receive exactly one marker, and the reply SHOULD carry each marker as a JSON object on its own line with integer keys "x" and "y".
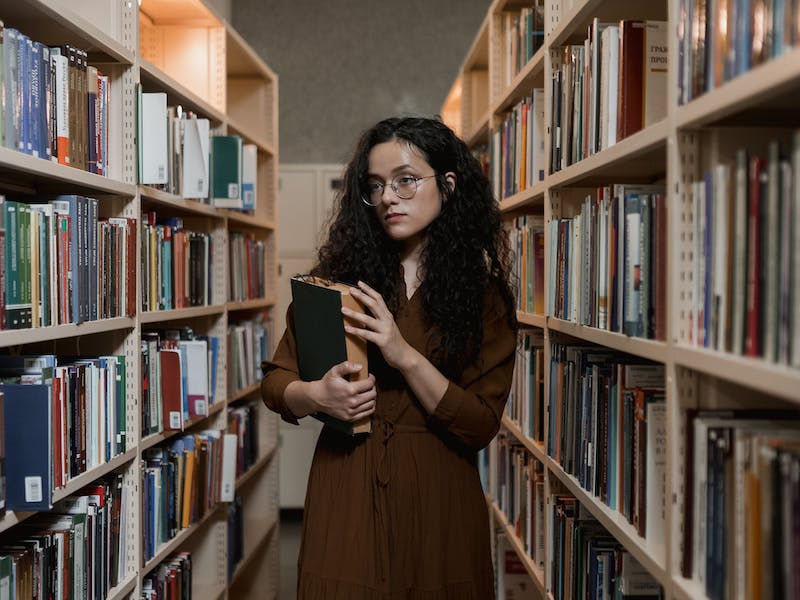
{"x": 321, "y": 340}
{"x": 226, "y": 171}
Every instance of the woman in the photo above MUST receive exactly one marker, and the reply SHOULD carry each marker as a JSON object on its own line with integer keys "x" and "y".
{"x": 400, "y": 513}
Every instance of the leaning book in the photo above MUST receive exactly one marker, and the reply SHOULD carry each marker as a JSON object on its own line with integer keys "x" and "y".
{"x": 321, "y": 338}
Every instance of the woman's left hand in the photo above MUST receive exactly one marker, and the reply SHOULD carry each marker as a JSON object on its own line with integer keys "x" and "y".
{"x": 378, "y": 328}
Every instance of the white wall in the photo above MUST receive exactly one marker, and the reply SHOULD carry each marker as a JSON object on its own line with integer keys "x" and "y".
{"x": 305, "y": 196}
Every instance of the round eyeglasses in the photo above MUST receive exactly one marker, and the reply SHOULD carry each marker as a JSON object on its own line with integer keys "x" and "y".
{"x": 404, "y": 187}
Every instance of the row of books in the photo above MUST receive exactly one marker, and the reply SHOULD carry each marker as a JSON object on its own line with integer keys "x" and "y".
{"x": 741, "y": 498}
{"x": 525, "y": 406}
{"x": 170, "y": 580}
{"x": 54, "y": 103}
{"x": 512, "y": 581}
{"x": 588, "y": 561}
{"x": 179, "y": 154}
{"x": 608, "y": 263}
{"x": 177, "y": 264}
{"x": 608, "y": 429}
{"x": 522, "y": 34}
{"x": 183, "y": 481}
{"x": 179, "y": 378}
{"x": 63, "y": 263}
{"x": 519, "y": 493}
{"x": 607, "y": 88}
{"x": 721, "y": 39}
{"x": 746, "y": 252}
{"x": 249, "y": 344}
{"x": 526, "y": 234}
{"x": 61, "y": 417}
{"x": 76, "y": 551}
{"x": 247, "y": 267}
{"x": 517, "y": 147}
{"x": 243, "y": 423}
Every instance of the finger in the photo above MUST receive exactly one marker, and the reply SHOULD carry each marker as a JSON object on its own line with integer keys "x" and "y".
{"x": 369, "y": 409}
{"x": 365, "y": 396}
{"x": 365, "y": 385}
{"x": 364, "y": 334}
{"x": 359, "y": 317}
{"x": 374, "y": 294}
{"x": 345, "y": 368}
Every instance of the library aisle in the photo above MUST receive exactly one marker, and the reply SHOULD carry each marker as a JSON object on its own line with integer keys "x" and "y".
{"x": 646, "y": 157}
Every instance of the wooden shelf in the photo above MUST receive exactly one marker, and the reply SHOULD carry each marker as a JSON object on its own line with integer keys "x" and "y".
{"x": 530, "y": 76}
{"x": 24, "y": 173}
{"x": 531, "y": 319}
{"x": 572, "y": 26}
{"x": 533, "y": 197}
{"x": 154, "y": 439}
{"x": 76, "y": 484}
{"x": 164, "y": 316}
{"x": 56, "y": 23}
{"x": 774, "y": 379}
{"x": 18, "y": 337}
{"x": 533, "y": 446}
{"x": 246, "y": 219}
{"x": 480, "y": 131}
{"x": 640, "y": 157}
{"x": 124, "y": 588}
{"x": 614, "y": 522}
{"x": 191, "y": 207}
{"x": 241, "y": 394}
{"x": 650, "y": 349}
{"x": 765, "y": 95}
{"x": 251, "y": 304}
{"x": 234, "y": 127}
{"x": 686, "y": 589}
{"x": 255, "y": 468}
{"x": 166, "y": 549}
{"x": 154, "y": 79}
{"x": 536, "y": 574}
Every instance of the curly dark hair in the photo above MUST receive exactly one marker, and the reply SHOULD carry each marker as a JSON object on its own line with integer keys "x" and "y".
{"x": 465, "y": 254}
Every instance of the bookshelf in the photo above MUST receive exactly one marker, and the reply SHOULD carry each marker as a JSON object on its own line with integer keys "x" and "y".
{"x": 753, "y": 109}
{"x": 183, "y": 49}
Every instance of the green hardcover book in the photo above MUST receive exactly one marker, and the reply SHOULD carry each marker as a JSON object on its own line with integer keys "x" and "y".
{"x": 321, "y": 340}
{"x": 226, "y": 171}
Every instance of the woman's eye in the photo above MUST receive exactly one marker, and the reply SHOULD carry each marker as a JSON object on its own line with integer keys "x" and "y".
{"x": 405, "y": 180}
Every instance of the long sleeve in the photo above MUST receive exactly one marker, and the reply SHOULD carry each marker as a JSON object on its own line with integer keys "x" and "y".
{"x": 280, "y": 372}
{"x": 472, "y": 409}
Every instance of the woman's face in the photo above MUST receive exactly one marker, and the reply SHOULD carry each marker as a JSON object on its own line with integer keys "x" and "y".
{"x": 405, "y": 218}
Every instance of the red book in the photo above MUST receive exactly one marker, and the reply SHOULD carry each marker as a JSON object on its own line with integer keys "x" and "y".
{"x": 630, "y": 107}
{"x": 171, "y": 389}
{"x": 752, "y": 342}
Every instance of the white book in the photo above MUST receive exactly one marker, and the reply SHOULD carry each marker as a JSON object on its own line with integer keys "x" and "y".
{"x": 228, "y": 482}
{"x": 61, "y": 63}
{"x": 196, "y": 352}
{"x": 721, "y": 260}
{"x": 656, "y": 61}
{"x": 609, "y": 75}
{"x": 249, "y": 176}
{"x": 195, "y": 158}
{"x": 153, "y": 151}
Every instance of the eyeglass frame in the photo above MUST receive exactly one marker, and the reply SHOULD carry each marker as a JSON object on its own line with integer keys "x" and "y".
{"x": 365, "y": 196}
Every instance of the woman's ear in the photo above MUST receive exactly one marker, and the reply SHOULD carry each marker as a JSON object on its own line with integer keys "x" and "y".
{"x": 450, "y": 178}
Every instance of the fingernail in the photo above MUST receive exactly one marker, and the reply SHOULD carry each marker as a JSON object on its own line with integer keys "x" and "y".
{"x": 357, "y": 366}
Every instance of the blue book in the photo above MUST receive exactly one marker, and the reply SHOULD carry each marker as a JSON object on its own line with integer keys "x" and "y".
{"x": 28, "y": 433}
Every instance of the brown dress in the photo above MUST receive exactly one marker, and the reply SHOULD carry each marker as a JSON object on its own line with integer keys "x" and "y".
{"x": 401, "y": 513}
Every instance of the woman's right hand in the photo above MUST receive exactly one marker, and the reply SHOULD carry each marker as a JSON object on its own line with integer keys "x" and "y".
{"x": 347, "y": 400}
